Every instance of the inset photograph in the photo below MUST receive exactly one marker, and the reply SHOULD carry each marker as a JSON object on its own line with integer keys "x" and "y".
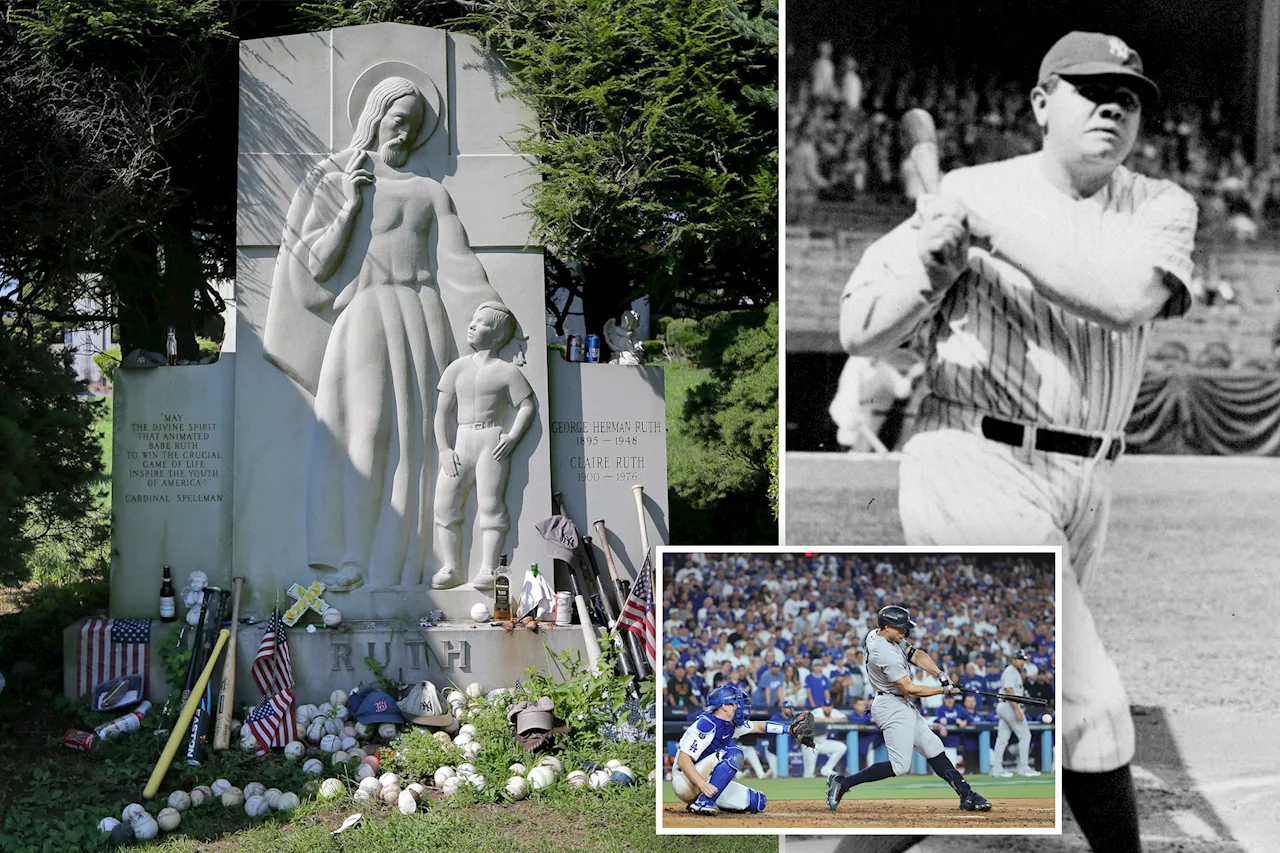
{"x": 859, "y": 691}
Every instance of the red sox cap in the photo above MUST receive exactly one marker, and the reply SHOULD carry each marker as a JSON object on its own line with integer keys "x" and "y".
{"x": 1080, "y": 54}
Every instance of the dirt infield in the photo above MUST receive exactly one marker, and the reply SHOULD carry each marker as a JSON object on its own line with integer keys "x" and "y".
{"x": 871, "y": 814}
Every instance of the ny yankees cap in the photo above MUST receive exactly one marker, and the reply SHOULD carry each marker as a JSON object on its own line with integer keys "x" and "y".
{"x": 423, "y": 707}
{"x": 559, "y": 536}
{"x": 1079, "y": 54}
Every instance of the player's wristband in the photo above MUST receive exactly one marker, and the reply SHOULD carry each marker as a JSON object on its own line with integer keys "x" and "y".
{"x": 772, "y": 728}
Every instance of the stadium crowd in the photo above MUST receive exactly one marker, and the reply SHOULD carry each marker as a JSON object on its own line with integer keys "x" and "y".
{"x": 788, "y": 628}
{"x": 843, "y": 140}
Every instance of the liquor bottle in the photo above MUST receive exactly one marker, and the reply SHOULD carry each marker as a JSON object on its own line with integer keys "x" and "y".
{"x": 168, "y": 606}
{"x": 171, "y": 346}
{"x": 502, "y": 592}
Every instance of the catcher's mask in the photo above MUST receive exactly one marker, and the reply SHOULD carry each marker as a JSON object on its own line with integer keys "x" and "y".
{"x": 729, "y": 694}
{"x": 895, "y": 616}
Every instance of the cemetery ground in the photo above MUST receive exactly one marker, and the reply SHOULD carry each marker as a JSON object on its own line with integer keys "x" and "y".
{"x": 52, "y": 797}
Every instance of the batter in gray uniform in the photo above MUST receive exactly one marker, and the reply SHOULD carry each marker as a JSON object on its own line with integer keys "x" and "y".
{"x": 889, "y": 662}
{"x": 1012, "y": 720}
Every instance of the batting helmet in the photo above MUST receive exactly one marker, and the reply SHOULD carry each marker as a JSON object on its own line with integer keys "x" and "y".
{"x": 1019, "y": 654}
{"x": 895, "y": 616}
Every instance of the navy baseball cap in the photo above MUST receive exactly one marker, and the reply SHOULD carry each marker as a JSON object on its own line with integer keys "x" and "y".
{"x": 1079, "y": 54}
{"x": 374, "y": 706}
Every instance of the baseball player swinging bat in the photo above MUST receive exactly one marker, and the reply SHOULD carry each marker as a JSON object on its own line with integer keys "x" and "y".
{"x": 184, "y": 719}
{"x": 1008, "y": 697}
{"x": 226, "y": 696}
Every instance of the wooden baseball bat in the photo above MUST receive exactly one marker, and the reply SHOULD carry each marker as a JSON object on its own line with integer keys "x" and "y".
{"x": 633, "y": 642}
{"x": 184, "y": 720}
{"x": 920, "y": 138}
{"x": 226, "y": 696}
{"x": 638, "y": 491}
{"x": 1022, "y": 700}
{"x": 629, "y": 664}
{"x": 602, "y": 532}
{"x": 588, "y": 632}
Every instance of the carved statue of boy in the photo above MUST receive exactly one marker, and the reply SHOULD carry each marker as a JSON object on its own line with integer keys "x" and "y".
{"x": 477, "y": 393}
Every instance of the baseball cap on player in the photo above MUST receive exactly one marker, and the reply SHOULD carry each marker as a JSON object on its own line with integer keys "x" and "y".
{"x": 1079, "y": 54}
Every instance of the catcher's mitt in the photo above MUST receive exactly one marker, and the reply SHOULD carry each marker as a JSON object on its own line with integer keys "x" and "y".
{"x": 802, "y": 729}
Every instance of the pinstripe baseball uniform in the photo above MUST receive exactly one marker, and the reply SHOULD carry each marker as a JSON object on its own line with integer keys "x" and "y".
{"x": 1028, "y": 401}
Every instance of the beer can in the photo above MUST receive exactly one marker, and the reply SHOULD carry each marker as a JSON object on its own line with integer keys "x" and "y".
{"x": 129, "y": 722}
{"x": 82, "y": 741}
{"x": 564, "y": 608}
{"x": 593, "y": 349}
{"x": 573, "y": 348}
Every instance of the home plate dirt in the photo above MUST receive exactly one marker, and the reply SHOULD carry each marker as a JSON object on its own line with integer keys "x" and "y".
{"x": 872, "y": 814}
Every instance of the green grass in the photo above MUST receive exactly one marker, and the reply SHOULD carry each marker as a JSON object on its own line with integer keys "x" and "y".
{"x": 899, "y": 788}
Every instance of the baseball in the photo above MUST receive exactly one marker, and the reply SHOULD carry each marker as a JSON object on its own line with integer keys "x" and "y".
{"x": 168, "y": 820}
{"x": 364, "y": 771}
{"x": 363, "y": 729}
{"x": 294, "y": 749}
{"x": 418, "y": 790}
{"x": 443, "y": 737}
{"x": 443, "y": 773}
{"x": 474, "y": 690}
{"x": 249, "y": 744}
{"x": 541, "y": 777}
{"x": 220, "y": 787}
{"x": 256, "y": 806}
{"x": 622, "y": 775}
{"x": 477, "y": 781}
{"x": 518, "y": 769}
{"x": 332, "y": 617}
{"x": 146, "y": 828}
{"x": 517, "y": 787}
{"x": 200, "y": 795}
{"x": 179, "y": 801}
{"x": 358, "y": 754}
{"x": 341, "y": 713}
{"x": 450, "y": 786}
{"x": 407, "y": 803}
{"x": 349, "y": 730}
{"x": 331, "y": 789}
{"x": 389, "y": 778}
{"x": 337, "y": 758}
{"x": 469, "y": 730}
{"x": 466, "y": 771}
{"x": 272, "y": 796}
{"x": 305, "y": 714}
{"x": 314, "y": 766}
{"x": 315, "y": 730}
{"x": 254, "y": 789}
{"x": 552, "y": 762}
{"x": 390, "y": 794}
{"x": 232, "y": 797}
{"x": 330, "y": 743}
{"x": 1047, "y": 718}
{"x": 107, "y": 824}
{"x": 463, "y": 739}
{"x": 387, "y": 731}
{"x": 577, "y": 779}
{"x": 480, "y": 611}
{"x": 372, "y": 761}
{"x": 288, "y": 802}
{"x": 653, "y": 776}
{"x": 471, "y": 750}
{"x": 347, "y": 744}
{"x": 613, "y": 764}
{"x": 600, "y": 778}
{"x": 338, "y": 698}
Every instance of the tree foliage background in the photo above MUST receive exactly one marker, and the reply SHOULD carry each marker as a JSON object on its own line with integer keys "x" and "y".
{"x": 656, "y": 144}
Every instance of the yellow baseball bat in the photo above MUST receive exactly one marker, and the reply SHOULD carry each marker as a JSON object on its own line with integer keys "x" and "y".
{"x": 184, "y": 719}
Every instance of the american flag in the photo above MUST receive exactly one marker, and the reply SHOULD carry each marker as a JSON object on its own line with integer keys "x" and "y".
{"x": 272, "y": 721}
{"x": 637, "y": 614}
{"x": 111, "y": 648}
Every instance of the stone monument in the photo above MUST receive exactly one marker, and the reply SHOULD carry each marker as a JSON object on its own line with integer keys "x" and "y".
{"x": 381, "y": 418}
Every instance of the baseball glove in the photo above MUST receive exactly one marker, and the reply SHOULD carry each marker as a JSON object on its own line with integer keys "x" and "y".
{"x": 802, "y": 730}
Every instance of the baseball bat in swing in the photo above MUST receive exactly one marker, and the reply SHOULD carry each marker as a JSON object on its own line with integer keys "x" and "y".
{"x": 920, "y": 138}
{"x": 1021, "y": 700}
{"x": 226, "y": 696}
{"x": 184, "y": 719}
{"x": 580, "y": 604}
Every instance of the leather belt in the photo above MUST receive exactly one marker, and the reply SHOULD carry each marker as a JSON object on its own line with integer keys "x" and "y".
{"x": 886, "y": 693}
{"x": 1051, "y": 440}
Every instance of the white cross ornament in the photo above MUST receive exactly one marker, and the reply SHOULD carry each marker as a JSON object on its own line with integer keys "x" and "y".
{"x": 308, "y": 599}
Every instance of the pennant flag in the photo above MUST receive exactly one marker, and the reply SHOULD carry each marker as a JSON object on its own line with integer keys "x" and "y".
{"x": 112, "y": 648}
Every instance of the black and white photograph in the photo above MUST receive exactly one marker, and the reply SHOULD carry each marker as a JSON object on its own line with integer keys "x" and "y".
{"x": 1031, "y": 257}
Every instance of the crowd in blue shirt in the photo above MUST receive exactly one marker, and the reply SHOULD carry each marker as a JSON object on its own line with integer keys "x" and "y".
{"x": 789, "y": 627}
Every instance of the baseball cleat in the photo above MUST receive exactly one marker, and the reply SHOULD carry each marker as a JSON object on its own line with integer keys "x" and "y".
{"x": 703, "y": 805}
{"x": 974, "y": 802}
{"x": 834, "y": 791}
{"x": 1028, "y": 772}
{"x": 1001, "y": 772}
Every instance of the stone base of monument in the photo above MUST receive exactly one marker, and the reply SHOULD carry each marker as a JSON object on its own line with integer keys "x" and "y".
{"x": 326, "y": 660}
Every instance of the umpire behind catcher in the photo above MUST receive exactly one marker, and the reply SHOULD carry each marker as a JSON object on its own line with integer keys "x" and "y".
{"x": 1032, "y": 284}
